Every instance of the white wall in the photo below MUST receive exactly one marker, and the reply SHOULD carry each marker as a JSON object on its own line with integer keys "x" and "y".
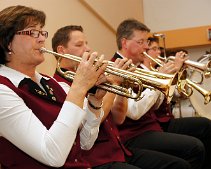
{"x": 161, "y": 15}
{"x": 175, "y": 14}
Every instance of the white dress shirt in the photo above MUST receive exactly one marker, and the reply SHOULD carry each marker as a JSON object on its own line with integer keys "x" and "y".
{"x": 20, "y": 126}
{"x": 149, "y": 99}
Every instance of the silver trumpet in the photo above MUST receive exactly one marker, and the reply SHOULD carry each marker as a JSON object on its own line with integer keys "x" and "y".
{"x": 203, "y": 68}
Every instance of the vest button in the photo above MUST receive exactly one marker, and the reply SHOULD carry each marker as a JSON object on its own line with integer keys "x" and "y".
{"x": 76, "y": 160}
{"x": 167, "y": 114}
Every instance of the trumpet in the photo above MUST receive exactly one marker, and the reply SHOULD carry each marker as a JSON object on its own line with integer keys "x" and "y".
{"x": 185, "y": 85}
{"x": 133, "y": 85}
{"x": 140, "y": 78}
{"x": 206, "y": 94}
{"x": 164, "y": 82}
{"x": 154, "y": 80}
{"x": 157, "y": 61}
{"x": 205, "y": 68}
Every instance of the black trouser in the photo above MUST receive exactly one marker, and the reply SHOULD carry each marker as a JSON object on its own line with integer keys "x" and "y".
{"x": 174, "y": 148}
{"x": 148, "y": 159}
{"x": 116, "y": 165}
{"x": 198, "y": 127}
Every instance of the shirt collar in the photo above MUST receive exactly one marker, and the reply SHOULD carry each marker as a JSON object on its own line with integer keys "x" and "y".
{"x": 16, "y": 77}
{"x": 120, "y": 54}
{"x": 123, "y": 56}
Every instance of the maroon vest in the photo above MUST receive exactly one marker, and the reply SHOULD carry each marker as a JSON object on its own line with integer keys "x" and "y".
{"x": 58, "y": 77}
{"x": 13, "y": 158}
{"x": 164, "y": 113}
{"x": 132, "y": 128}
{"x": 108, "y": 146}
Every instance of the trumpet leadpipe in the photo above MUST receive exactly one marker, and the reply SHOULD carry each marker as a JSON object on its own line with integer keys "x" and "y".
{"x": 132, "y": 81}
{"x": 154, "y": 60}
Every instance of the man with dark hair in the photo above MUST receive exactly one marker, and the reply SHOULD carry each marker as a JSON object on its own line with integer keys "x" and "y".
{"x": 69, "y": 40}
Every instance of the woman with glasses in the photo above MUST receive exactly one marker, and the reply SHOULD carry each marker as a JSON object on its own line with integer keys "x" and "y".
{"x": 43, "y": 124}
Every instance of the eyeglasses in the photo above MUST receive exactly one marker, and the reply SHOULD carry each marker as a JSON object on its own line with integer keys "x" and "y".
{"x": 155, "y": 48}
{"x": 33, "y": 33}
{"x": 141, "y": 42}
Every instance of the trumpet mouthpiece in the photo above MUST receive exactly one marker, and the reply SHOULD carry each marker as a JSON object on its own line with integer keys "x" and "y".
{"x": 42, "y": 50}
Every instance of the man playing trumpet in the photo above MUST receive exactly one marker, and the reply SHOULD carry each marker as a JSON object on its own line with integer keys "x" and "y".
{"x": 108, "y": 151}
{"x": 141, "y": 127}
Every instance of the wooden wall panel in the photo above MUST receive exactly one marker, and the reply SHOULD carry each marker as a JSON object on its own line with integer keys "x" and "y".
{"x": 189, "y": 37}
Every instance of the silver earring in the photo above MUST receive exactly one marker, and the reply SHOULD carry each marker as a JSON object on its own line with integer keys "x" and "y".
{"x": 9, "y": 53}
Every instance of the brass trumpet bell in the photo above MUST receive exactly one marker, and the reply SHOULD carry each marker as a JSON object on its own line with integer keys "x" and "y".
{"x": 206, "y": 94}
{"x": 154, "y": 80}
{"x": 163, "y": 82}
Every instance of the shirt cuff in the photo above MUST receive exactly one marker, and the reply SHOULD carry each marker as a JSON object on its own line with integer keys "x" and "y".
{"x": 91, "y": 119}
{"x": 71, "y": 114}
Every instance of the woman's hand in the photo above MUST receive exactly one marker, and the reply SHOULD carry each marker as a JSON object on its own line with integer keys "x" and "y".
{"x": 87, "y": 75}
{"x": 89, "y": 71}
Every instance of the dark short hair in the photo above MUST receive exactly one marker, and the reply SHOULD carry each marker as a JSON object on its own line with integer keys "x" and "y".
{"x": 126, "y": 29}
{"x": 153, "y": 39}
{"x": 61, "y": 37}
{"x": 13, "y": 19}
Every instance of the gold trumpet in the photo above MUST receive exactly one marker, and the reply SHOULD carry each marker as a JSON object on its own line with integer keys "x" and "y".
{"x": 185, "y": 85}
{"x": 140, "y": 78}
{"x": 154, "y": 80}
{"x": 164, "y": 82}
{"x": 157, "y": 61}
{"x": 206, "y": 94}
{"x": 132, "y": 87}
{"x": 205, "y": 68}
